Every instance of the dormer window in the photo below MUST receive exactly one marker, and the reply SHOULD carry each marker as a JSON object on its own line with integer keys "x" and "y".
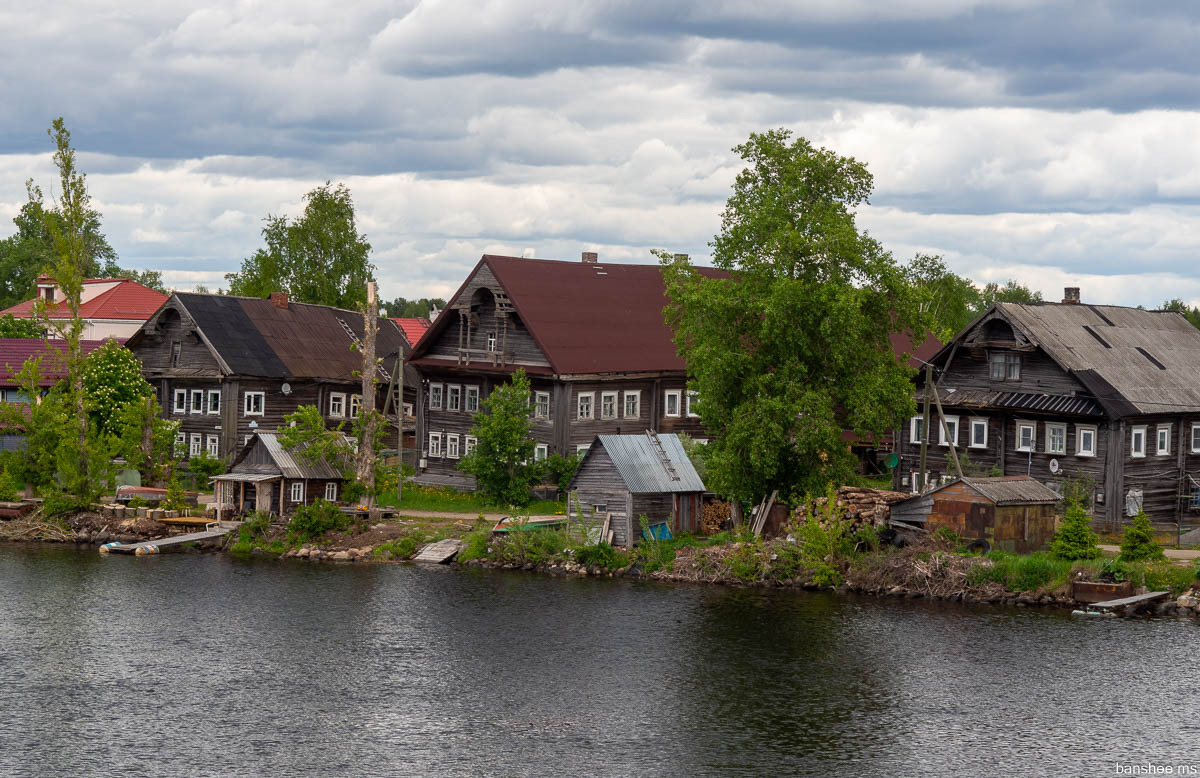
{"x": 1006, "y": 366}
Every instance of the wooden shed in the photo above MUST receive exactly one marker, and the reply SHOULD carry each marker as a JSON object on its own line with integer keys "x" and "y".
{"x": 1012, "y": 513}
{"x": 267, "y": 477}
{"x": 625, "y": 477}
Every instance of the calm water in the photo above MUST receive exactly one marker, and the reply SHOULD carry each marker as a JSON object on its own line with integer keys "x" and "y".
{"x": 188, "y": 665}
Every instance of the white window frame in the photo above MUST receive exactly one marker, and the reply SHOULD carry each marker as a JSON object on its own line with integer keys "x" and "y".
{"x": 435, "y": 397}
{"x": 916, "y": 428}
{"x": 452, "y": 446}
{"x": 978, "y": 421}
{"x": 469, "y": 443}
{"x": 454, "y": 397}
{"x": 435, "y": 444}
{"x": 408, "y": 411}
{"x": 942, "y": 431}
{"x": 337, "y": 405}
{"x": 636, "y": 396}
{"x": 678, "y": 397}
{"x": 1053, "y": 425}
{"x": 180, "y": 401}
{"x": 692, "y": 395}
{"x": 471, "y": 399}
{"x": 355, "y": 403}
{"x": 1163, "y": 447}
{"x": 248, "y": 404}
{"x": 605, "y": 397}
{"x": 296, "y": 492}
{"x": 1032, "y": 425}
{"x": 1195, "y": 437}
{"x": 591, "y": 406}
{"x": 1136, "y": 432}
{"x": 1080, "y": 449}
{"x": 541, "y": 400}
{"x": 181, "y": 443}
{"x": 540, "y": 452}
{"x": 195, "y": 444}
{"x": 491, "y": 342}
{"x": 214, "y": 401}
{"x": 331, "y": 491}
{"x": 196, "y": 401}
{"x": 212, "y": 445}
{"x": 582, "y": 449}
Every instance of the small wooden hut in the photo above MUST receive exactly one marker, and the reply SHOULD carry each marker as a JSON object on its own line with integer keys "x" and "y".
{"x": 267, "y": 477}
{"x": 625, "y": 477}
{"x": 1013, "y": 513}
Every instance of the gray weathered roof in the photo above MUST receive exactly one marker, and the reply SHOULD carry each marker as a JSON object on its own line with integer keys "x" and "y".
{"x": 291, "y": 465}
{"x": 1029, "y": 401}
{"x": 1012, "y": 489}
{"x": 642, "y": 470}
{"x": 1134, "y": 361}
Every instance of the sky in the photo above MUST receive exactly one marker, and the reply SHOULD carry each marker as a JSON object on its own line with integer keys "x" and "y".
{"x": 1054, "y": 143}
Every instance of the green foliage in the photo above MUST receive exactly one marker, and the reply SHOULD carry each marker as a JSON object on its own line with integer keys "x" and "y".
{"x": 475, "y": 545}
{"x": 948, "y": 302}
{"x": 502, "y": 460}
{"x": 10, "y": 488}
{"x": 559, "y": 469}
{"x": 1022, "y": 573}
{"x": 405, "y": 546}
{"x": 257, "y": 524}
{"x": 530, "y": 546}
{"x": 311, "y": 521}
{"x": 793, "y": 347}
{"x": 1190, "y": 312}
{"x": 147, "y": 441}
{"x": 318, "y": 258}
{"x": 601, "y": 555}
{"x": 698, "y": 454}
{"x": 112, "y": 379}
{"x": 1076, "y": 490}
{"x": 1075, "y": 538}
{"x": 650, "y": 552}
{"x": 401, "y": 308}
{"x": 175, "y": 499}
{"x": 824, "y": 541}
{"x": 1011, "y": 292}
{"x": 304, "y": 434}
{"x": 206, "y": 465}
{"x": 20, "y": 328}
{"x": 1138, "y": 543}
{"x": 748, "y": 563}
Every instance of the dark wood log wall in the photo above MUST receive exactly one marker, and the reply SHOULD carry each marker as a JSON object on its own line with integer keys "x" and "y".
{"x": 598, "y": 483}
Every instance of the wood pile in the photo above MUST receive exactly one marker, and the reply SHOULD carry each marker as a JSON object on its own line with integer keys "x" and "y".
{"x": 860, "y": 505}
{"x": 713, "y": 517}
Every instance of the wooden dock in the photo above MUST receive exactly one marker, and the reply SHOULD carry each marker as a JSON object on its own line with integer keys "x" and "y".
{"x": 154, "y": 546}
{"x": 1108, "y": 606}
{"x": 439, "y": 553}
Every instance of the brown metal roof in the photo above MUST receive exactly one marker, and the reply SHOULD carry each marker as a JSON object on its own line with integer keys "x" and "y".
{"x": 1012, "y": 490}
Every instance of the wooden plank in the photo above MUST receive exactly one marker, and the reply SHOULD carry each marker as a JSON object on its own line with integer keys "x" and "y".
{"x": 439, "y": 553}
{"x": 153, "y": 546}
{"x": 760, "y": 518}
{"x": 1134, "y": 600}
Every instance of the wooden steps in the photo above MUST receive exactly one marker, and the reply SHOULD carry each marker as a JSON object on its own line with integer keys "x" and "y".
{"x": 439, "y": 553}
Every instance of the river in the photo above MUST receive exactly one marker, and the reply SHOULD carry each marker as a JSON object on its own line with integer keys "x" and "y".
{"x": 186, "y": 665}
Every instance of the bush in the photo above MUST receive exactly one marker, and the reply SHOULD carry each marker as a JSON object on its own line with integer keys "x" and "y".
{"x": 1139, "y": 544}
{"x": 1075, "y": 538}
{"x": 403, "y": 547}
{"x": 651, "y": 553}
{"x": 257, "y": 524}
{"x": 203, "y": 464}
{"x": 9, "y": 488}
{"x": 475, "y": 545}
{"x": 312, "y": 521}
{"x": 559, "y": 469}
{"x": 600, "y": 555}
{"x": 175, "y": 499}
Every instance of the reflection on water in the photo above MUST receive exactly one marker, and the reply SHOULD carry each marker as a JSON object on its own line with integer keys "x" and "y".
{"x": 206, "y": 665}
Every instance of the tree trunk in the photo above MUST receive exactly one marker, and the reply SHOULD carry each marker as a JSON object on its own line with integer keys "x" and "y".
{"x": 735, "y": 513}
{"x": 365, "y": 462}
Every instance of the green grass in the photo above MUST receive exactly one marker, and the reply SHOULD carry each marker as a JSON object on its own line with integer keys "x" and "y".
{"x": 444, "y": 499}
{"x": 1018, "y": 573}
{"x": 403, "y": 547}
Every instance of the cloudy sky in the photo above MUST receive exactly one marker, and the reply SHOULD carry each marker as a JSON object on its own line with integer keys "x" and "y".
{"x": 1054, "y": 143}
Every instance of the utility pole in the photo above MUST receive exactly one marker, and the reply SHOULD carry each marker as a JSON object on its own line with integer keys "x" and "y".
{"x": 400, "y": 425}
{"x": 924, "y": 430}
{"x": 946, "y": 433}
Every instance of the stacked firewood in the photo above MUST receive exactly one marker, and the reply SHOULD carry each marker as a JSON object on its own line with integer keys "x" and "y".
{"x": 713, "y": 517}
{"x": 860, "y": 505}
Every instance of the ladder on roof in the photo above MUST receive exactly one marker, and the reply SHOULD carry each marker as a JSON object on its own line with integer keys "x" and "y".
{"x": 662, "y": 455}
{"x": 354, "y": 339}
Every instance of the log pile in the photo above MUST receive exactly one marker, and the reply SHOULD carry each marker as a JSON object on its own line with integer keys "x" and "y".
{"x": 713, "y": 517}
{"x": 860, "y": 505}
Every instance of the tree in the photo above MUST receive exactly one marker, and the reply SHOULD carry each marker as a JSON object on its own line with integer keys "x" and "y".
{"x": 1075, "y": 538}
{"x": 306, "y": 435}
{"x": 793, "y": 346}
{"x": 947, "y": 300}
{"x": 112, "y": 380}
{"x": 502, "y": 460}
{"x": 20, "y": 328}
{"x": 318, "y": 258}
{"x": 1190, "y": 312}
{"x": 1011, "y": 292}
{"x": 401, "y": 308}
{"x": 1138, "y": 543}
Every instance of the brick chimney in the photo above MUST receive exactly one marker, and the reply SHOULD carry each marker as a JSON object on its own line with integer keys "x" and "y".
{"x": 279, "y": 300}
{"x": 590, "y": 257}
{"x": 1071, "y": 295}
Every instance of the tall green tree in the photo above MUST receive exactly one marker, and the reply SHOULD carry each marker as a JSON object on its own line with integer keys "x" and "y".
{"x": 793, "y": 346}
{"x": 502, "y": 461}
{"x": 947, "y": 300}
{"x": 319, "y": 257}
{"x": 401, "y": 308}
{"x": 1010, "y": 292}
{"x": 1190, "y": 312}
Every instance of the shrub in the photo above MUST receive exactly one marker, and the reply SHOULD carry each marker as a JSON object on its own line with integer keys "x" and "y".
{"x": 207, "y": 466}
{"x": 747, "y": 562}
{"x": 651, "y": 553}
{"x": 559, "y": 469}
{"x": 312, "y": 521}
{"x": 1139, "y": 544}
{"x": 1075, "y": 538}
{"x": 599, "y": 555}
{"x": 9, "y": 489}
{"x": 1018, "y": 573}
{"x": 257, "y": 524}
{"x": 403, "y": 547}
{"x": 475, "y": 545}
{"x": 175, "y": 499}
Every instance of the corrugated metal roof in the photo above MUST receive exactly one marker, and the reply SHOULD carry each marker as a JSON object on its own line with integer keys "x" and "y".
{"x": 1012, "y": 489}
{"x": 15, "y": 351}
{"x": 642, "y": 469}
{"x": 291, "y": 465}
{"x": 1030, "y": 401}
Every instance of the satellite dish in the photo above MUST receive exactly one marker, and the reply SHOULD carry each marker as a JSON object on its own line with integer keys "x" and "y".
{"x": 286, "y": 388}
{"x": 892, "y": 460}
{"x": 1053, "y": 465}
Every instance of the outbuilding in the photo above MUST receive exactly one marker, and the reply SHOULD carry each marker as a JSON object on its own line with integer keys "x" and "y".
{"x": 1013, "y": 513}
{"x": 267, "y": 477}
{"x": 625, "y": 477}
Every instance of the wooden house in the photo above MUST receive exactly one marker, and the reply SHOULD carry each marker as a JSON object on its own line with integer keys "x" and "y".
{"x": 109, "y": 307}
{"x": 625, "y": 477}
{"x": 589, "y": 335}
{"x": 265, "y": 476}
{"x": 226, "y": 367}
{"x": 14, "y": 352}
{"x": 1013, "y": 513}
{"x": 1100, "y": 395}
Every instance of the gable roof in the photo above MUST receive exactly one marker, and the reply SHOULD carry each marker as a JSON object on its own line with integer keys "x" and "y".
{"x": 1132, "y": 360}
{"x": 640, "y": 466}
{"x": 413, "y": 328}
{"x": 1008, "y": 489}
{"x": 255, "y": 337}
{"x": 127, "y": 300}
{"x": 14, "y": 352}
{"x": 290, "y": 464}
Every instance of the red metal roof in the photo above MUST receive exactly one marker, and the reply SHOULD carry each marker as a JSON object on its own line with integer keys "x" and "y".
{"x": 413, "y": 329}
{"x": 127, "y": 300}
{"x": 14, "y": 352}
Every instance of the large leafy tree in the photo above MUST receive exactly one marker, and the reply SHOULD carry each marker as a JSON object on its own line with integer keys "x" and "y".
{"x": 793, "y": 346}
{"x": 948, "y": 301}
{"x": 319, "y": 257}
{"x": 502, "y": 460}
{"x": 401, "y": 308}
{"x": 1009, "y": 292}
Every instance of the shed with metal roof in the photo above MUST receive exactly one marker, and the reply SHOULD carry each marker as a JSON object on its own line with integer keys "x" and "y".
{"x": 1014, "y": 513}
{"x": 263, "y": 464}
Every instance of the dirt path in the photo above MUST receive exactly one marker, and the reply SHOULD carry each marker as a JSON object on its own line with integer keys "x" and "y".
{"x": 1182, "y": 554}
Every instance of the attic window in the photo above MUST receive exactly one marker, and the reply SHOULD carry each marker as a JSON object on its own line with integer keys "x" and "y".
{"x": 1150, "y": 357}
{"x": 1087, "y": 328}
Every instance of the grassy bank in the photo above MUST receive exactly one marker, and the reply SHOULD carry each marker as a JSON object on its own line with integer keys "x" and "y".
{"x": 432, "y": 498}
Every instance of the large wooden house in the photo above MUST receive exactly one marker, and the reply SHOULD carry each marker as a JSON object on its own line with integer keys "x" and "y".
{"x": 1096, "y": 394}
{"x": 227, "y": 367}
{"x": 589, "y": 335}
{"x": 265, "y": 476}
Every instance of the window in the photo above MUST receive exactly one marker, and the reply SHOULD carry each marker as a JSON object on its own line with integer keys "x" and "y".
{"x": 1026, "y": 435}
{"x": 979, "y": 430}
{"x": 472, "y": 404}
{"x": 581, "y": 450}
{"x": 355, "y": 403}
{"x": 608, "y": 405}
{"x": 633, "y": 405}
{"x": 408, "y": 411}
{"x": 212, "y": 445}
{"x": 671, "y": 403}
{"x": 297, "y": 491}
{"x": 1005, "y": 366}
{"x": 600, "y": 507}
{"x": 197, "y": 404}
{"x": 541, "y": 451}
{"x": 951, "y": 425}
{"x": 1134, "y": 500}
{"x": 435, "y": 444}
{"x": 1056, "y": 438}
{"x": 180, "y": 403}
{"x": 452, "y": 446}
{"x": 331, "y": 491}
{"x": 337, "y": 404}
{"x": 1164, "y": 439}
{"x": 14, "y": 396}
{"x": 691, "y": 398}
{"x": 214, "y": 401}
{"x": 176, "y": 350}
{"x": 468, "y": 444}
{"x": 1085, "y": 441}
{"x": 180, "y": 444}
{"x": 541, "y": 405}
{"x": 916, "y": 429}
{"x": 253, "y": 404}
{"x": 491, "y": 341}
{"x": 435, "y": 397}
{"x": 585, "y": 405}
{"x": 1196, "y": 438}
{"x": 1195, "y": 502}
{"x": 454, "y": 398}
{"x": 195, "y": 445}
{"x": 1137, "y": 441}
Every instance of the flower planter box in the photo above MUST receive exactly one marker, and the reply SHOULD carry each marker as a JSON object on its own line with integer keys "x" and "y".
{"x": 1099, "y": 591}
